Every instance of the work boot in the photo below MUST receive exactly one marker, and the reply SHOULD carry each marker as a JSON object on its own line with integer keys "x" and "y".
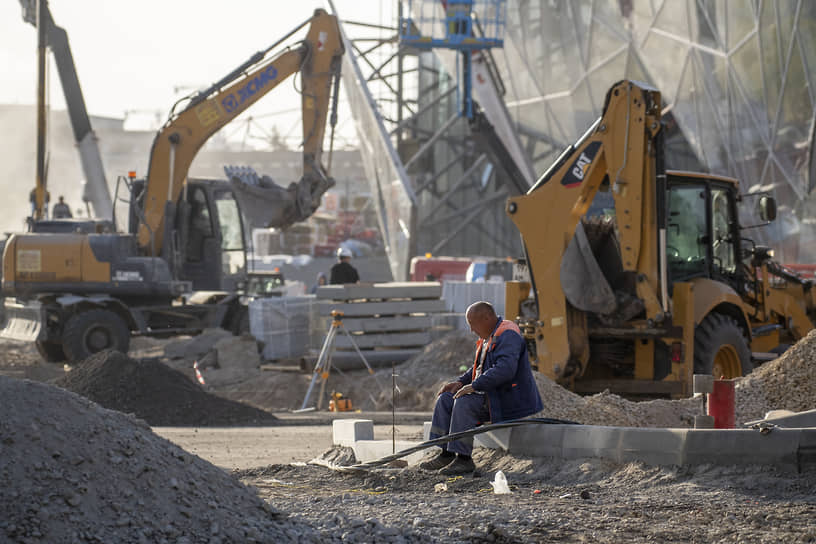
{"x": 440, "y": 461}
{"x": 459, "y": 467}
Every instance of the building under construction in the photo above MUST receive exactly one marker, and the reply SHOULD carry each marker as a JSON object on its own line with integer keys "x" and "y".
{"x": 737, "y": 78}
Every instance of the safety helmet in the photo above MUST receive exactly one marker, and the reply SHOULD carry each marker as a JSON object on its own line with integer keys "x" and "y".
{"x": 343, "y": 252}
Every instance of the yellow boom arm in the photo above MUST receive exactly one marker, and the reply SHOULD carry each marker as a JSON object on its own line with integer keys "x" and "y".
{"x": 616, "y": 150}
{"x": 177, "y": 143}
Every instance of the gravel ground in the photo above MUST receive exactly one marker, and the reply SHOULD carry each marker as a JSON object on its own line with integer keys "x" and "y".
{"x": 574, "y": 501}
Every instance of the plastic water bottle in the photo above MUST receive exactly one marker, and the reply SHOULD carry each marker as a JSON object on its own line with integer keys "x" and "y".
{"x": 499, "y": 484}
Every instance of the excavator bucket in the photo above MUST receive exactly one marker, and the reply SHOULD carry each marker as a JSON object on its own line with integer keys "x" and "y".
{"x": 22, "y": 321}
{"x": 265, "y": 204}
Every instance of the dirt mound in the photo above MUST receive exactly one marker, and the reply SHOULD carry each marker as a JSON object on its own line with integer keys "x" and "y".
{"x": 156, "y": 393}
{"x": 786, "y": 383}
{"x": 610, "y": 409}
{"x": 72, "y": 471}
{"x": 420, "y": 377}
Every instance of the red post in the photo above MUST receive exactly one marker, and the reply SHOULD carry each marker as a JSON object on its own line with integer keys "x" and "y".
{"x": 721, "y": 404}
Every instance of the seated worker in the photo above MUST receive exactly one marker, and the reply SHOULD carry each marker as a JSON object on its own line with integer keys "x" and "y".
{"x": 499, "y": 387}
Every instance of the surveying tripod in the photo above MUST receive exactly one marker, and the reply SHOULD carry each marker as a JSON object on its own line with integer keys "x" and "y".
{"x": 323, "y": 365}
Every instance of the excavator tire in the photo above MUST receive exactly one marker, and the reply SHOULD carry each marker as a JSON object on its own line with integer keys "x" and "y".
{"x": 51, "y": 352}
{"x": 92, "y": 331}
{"x": 720, "y": 348}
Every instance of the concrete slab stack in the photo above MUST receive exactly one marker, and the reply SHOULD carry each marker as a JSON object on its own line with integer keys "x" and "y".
{"x": 458, "y": 295}
{"x": 388, "y": 321}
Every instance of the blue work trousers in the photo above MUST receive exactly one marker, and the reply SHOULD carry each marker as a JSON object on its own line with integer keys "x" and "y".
{"x": 453, "y": 416}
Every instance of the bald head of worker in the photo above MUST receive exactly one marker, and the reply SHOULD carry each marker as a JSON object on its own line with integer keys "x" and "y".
{"x": 481, "y": 318}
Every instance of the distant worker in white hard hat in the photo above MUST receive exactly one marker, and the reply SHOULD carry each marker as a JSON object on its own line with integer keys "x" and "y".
{"x": 343, "y": 272}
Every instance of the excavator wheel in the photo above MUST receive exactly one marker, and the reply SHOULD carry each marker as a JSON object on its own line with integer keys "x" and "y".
{"x": 92, "y": 331}
{"x": 51, "y": 352}
{"x": 720, "y": 349}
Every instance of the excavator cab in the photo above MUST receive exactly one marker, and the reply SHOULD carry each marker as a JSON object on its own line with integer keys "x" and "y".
{"x": 702, "y": 236}
{"x": 207, "y": 247}
{"x": 210, "y": 239}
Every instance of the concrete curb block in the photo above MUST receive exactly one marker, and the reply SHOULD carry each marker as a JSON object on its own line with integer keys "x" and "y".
{"x": 785, "y": 448}
{"x": 789, "y": 449}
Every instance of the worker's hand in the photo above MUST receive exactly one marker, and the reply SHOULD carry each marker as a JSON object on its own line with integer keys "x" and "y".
{"x": 466, "y": 390}
{"x": 451, "y": 387}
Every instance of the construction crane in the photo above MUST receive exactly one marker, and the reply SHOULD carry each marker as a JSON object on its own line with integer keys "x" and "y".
{"x": 50, "y": 36}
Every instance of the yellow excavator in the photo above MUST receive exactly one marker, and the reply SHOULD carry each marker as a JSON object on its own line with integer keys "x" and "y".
{"x": 75, "y": 294}
{"x": 640, "y": 277}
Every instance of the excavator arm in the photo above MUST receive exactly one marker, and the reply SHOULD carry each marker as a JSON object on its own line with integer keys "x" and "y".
{"x": 317, "y": 58}
{"x": 618, "y": 152}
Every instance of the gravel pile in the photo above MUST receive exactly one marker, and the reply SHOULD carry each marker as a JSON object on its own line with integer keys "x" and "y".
{"x": 155, "y": 393}
{"x": 72, "y": 471}
{"x": 786, "y": 383}
{"x": 420, "y": 377}
{"x": 610, "y": 409}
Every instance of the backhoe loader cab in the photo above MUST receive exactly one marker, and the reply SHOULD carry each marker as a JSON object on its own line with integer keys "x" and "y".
{"x": 641, "y": 277}
{"x": 702, "y": 234}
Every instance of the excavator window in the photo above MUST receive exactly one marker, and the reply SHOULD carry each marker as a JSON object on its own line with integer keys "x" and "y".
{"x": 200, "y": 225}
{"x": 232, "y": 235}
{"x": 687, "y": 236}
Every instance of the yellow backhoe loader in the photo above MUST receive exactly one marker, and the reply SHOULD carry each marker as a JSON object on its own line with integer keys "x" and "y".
{"x": 77, "y": 293}
{"x": 641, "y": 277}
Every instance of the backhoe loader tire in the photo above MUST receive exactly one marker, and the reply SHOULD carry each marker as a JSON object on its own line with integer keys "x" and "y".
{"x": 93, "y": 331}
{"x": 51, "y": 352}
{"x": 720, "y": 348}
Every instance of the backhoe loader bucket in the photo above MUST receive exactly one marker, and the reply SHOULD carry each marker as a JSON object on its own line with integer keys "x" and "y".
{"x": 582, "y": 280}
{"x": 23, "y": 321}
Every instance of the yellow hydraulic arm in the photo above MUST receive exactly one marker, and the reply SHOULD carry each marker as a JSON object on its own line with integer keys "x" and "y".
{"x": 618, "y": 149}
{"x": 317, "y": 58}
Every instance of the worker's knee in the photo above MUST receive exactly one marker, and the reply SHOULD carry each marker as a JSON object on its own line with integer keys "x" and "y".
{"x": 468, "y": 405}
{"x": 445, "y": 401}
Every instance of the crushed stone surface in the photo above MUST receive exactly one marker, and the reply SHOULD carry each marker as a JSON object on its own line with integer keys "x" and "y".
{"x": 72, "y": 471}
{"x": 550, "y": 501}
{"x": 155, "y": 393}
